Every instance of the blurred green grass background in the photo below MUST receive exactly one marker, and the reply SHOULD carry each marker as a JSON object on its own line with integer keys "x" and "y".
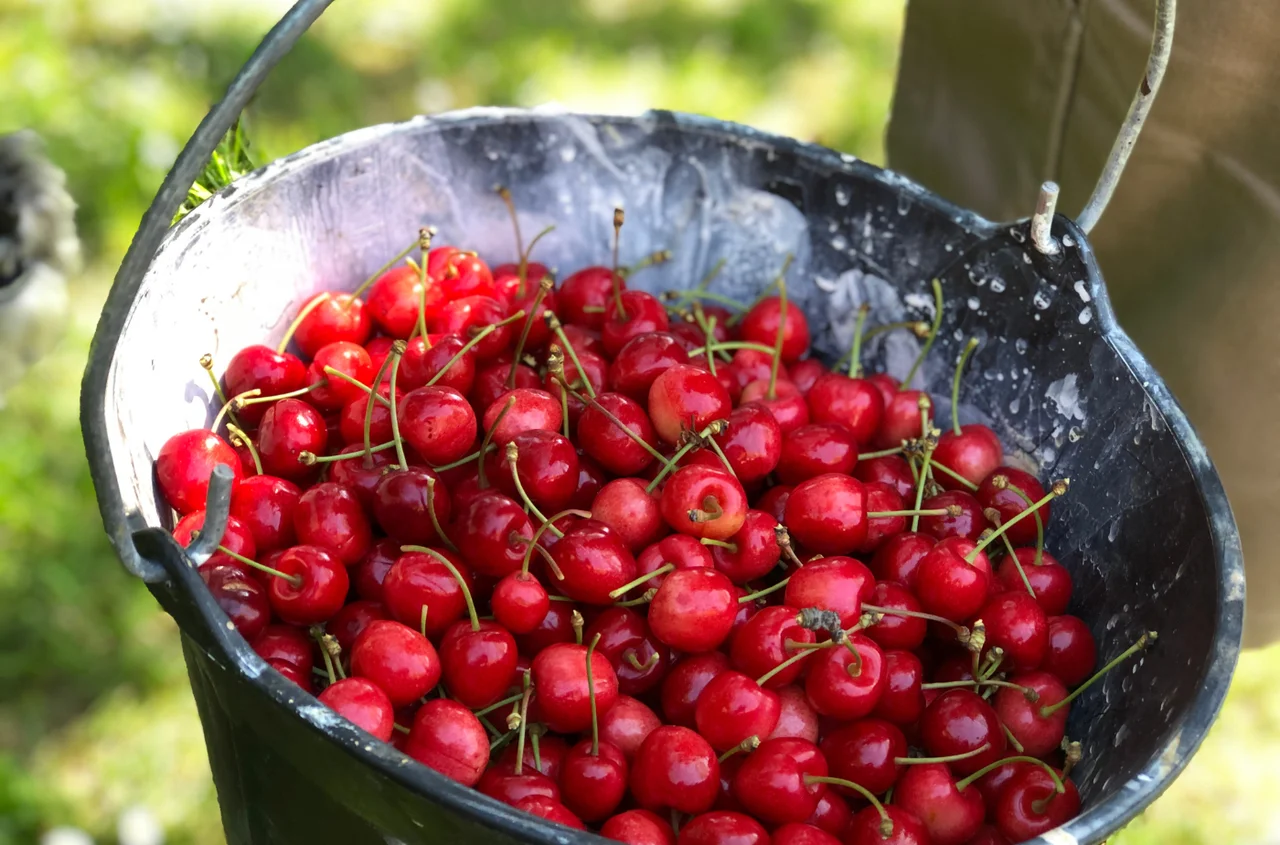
{"x": 95, "y": 713}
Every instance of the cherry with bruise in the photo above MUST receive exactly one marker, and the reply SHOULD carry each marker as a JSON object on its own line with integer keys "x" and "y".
{"x": 330, "y": 515}
{"x": 641, "y": 360}
{"x": 686, "y": 398}
{"x": 331, "y": 318}
{"x": 420, "y": 579}
{"x": 683, "y": 685}
{"x": 1072, "y": 652}
{"x": 752, "y": 442}
{"x": 693, "y": 611}
{"x": 704, "y": 502}
{"x": 1050, "y": 581}
{"x": 269, "y": 372}
{"x": 289, "y": 428}
{"x": 239, "y": 596}
{"x": 959, "y": 721}
{"x": 361, "y": 702}
{"x": 675, "y": 769}
{"x": 185, "y": 463}
{"x": 828, "y": 514}
{"x": 401, "y": 661}
{"x": 560, "y": 682}
{"x": 752, "y": 552}
{"x": 840, "y": 584}
{"x": 888, "y": 469}
{"x": 316, "y": 589}
{"x": 265, "y": 504}
{"x": 404, "y": 501}
{"x": 447, "y": 737}
{"x": 852, "y": 403}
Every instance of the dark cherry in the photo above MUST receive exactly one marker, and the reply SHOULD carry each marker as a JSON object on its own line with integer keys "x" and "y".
{"x": 723, "y": 827}
{"x": 349, "y": 622}
{"x": 993, "y": 782}
{"x": 241, "y": 597}
{"x": 752, "y": 442}
{"x": 852, "y": 403}
{"x": 684, "y": 684}
{"x": 641, "y": 360}
{"x": 560, "y": 683}
{"x": 760, "y": 325}
{"x": 1010, "y": 504}
{"x": 349, "y": 359}
{"x": 693, "y": 610}
{"x": 265, "y": 504}
{"x": 591, "y": 477}
{"x": 266, "y": 370}
{"x": 627, "y": 724}
{"x": 584, "y": 295}
{"x": 363, "y": 703}
{"x": 419, "y": 580}
{"x": 289, "y": 428}
{"x": 704, "y": 502}
{"x": 950, "y": 815}
{"x": 836, "y": 583}
{"x": 639, "y": 827}
{"x": 774, "y": 501}
{"x": 322, "y": 587}
{"x": 401, "y": 661}
{"x": 1016, "y": 623}
{"x": 633, "y": 513}
{"x": 593, "y": 780}
{"x": 832, "y": 815}
{"x": 329, "y": 515}
{"x": 970, "y": 523}
{"x": 339, "y": 317}
{"x": 641, "y": 313}
{"x": 865, "y": 752}
{"x": 734, "y": 707}
{"x": 960, "y": 721}
{"x": 185, "y": 463}
{"x": 686, "y": 398}
{"x": 593, "y": 561}
{"x": 899, "y": 556}
{"x": 519, "y": 602}
{"x": 754, "y": 551}
{"x": 1072, "y": 652}
{"x": 675, "y": 769}
{"x": 1050, "y": 580}
{"x": 833, "y": 688}
{"x": 787, "y": 404}
{"x": 774, "y": 780}
{"x": 400, "y": 504}
{"x": 367, "y": 575}
{"x": 891, "y": 470}
{"x": 814, "y": 449}
{"x": 988, "y": 834}
{"x": 828, "y": 514}
{"x": 864, "y": 828}
{"x": 902, "y": 701}
{"x": 447, "y": 737}
{"x": 950, "y": 586}
{"x": 1038, "y": 733}
{"x": 556, "y": 627}
{"x": 1030, "y": 804}
{"x": 493, "y": 532}
{"x": 893, "y": 630}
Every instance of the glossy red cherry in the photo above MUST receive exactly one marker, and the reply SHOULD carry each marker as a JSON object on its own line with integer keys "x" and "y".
{"x": 1050, "y": 580}
{"x": 530, "y": 409}
{"x": 492, "y": 531}
{"x": 723, "y": 827}
{"x": 864, "y": 828}
{"x": 641, "y": 360}
{"x": 263, "y": 369}
{"x": 675, "y": 769}
{"x": 899, "y": 556}
{"x": 1038, "y": 732}
{"x": 631, "y": 511}
{"x": 593, "y": 780}
{"x": 393, "y": 300}
{"x": 1016, "y": 623}
{"x": 468, "y": 316}
{"x": 460, "y": 272}
{"x": 814, "y": 449}
{"x": 627, "y": 724}
{"x": 292, "y": 673}
{"x": 552, "y": 811}
{"x": 185, "y": 463}
{"x": 774, "y": 781}
{"x": 787, "y": 404}
{"x": 547, "y": 463}
{"x": 842, "y": 686}
{"x": 865, "y": 752}
{"x": 502, "y": 782}
{"x": 320, "y": 589}
{"x": 402, "y": 662}
{"x": 349, "y": 623}
{"x": 240, "y": 596}
{"x": 330, "y": 516}
{"x": 236, "y": 537}
{"x": 351, "y": 420}
{"x": 973, "y": 454}
{"x": 760, "y": 325}
{"x": 419, "y": 580}
{"x": 762, "y": 644}
{"x": 447, "y": 737}
{"x": 1031, "y": 805}
{"x": 852, "y": 403}
{"x": 361, "y": 474}
{"x": 679, "y": 550}
{"x": 335, "y": 317}
{"x": 606, "y": 442}
{"x": 367, "y": 575}
{"x": 995, "y": 492}
{"x": 555, "y": 627}
{"x": 594, "y": 371}
{"x": 289, "y": 428}
{"x": 351, "y": 360}
{"x": 686, "y": 398}
{"x": 837, "y": 583}
{"x": 265, "y": 504}
{"x": 287, "y": 644}
{"x": 400, "y": 505}
{"x": 684, "y": 684}
{"x": 494, "y": 379}
{"x": 950, "y": 585}
{"x": 584, "y": 295}
{"x": 950, "y": 815}
{"x": 478, "y": 660}
{"x": 734, "y": 707}
{"x": 796, "y": 717}
{"x": 881, "y": 498}
{"x": 901, "y": 419}
{"x": 752, "y": 442}
{"x": 828, "y": 514}
{"x": 693, "y": 610}
{"x": 638, "y": 659}
{"x": 704, "y": 502}
{"x": 752, "y": 552}
{"x": 519, "y": 602}
{"x": 891, "y": 470}
{"x": 362, "y": 703}
{"x": 902, "y": 701}
{"x": 641, "y": 313}
{"x": 552, "y": 751}
{"x": 805, "y": 374}
{"x": 970, "y": 523}
{"x": 1072, "y": 651}
{"x": 560, "y": 683}
{"x": 958, "y": 722}
{"x": 639, "y": 827}
{"x": 592, "y": 562}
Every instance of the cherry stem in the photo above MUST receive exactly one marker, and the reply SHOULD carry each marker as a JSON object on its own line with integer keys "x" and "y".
{"x": 505, "y": 195}
{"x": 709, "y": 296}
{"x": 886, "y": 823}
{"x": 993, "y": 660}
{"x": 206, "y": 362}
{"x": 758, "y": 594}
{"x": 709, "y": 327}
{"x": 333, "y": 373}
{"x": 961, "y": 785}
{"x": 609, "y": 415}
{"x": 225, "y": 410}
{"x": 1143, "y": 642}
{"x": 255, "y": 397}
{"x": 397, "y": 349}
{"x": 513, "y": 455}
{"x": 488, "y": 441}
{"x": 807, "y": 649}
{"x": 577, "y": 622}
{"x": 422, "y": 621}
{"x": 855, "y": 351}
{"x": 730, "y": 345}
{"x": 461, "y": 461}
{"x": 648, "y": 576}
{"x": 648, "y": 664}
{"x": 916, "y": 614}
{"x": 498, "y": 705}
{"x": 297, "y": 321}
{"x": 993, "y": 515}
{"x": 295, "y": 580}
{"x": 1074, "y": 754}
{"x": 1059, "y": 489}
{"x": 955, "y": 476}
{"x": 435, "y": 520}
{"x": 955, "y": 384}
{"x": 748, "y": 745}
{"x": 424, "y": 244}
{"x": 711, "y": 510}
{"x": 591, "y": 694}
{"x": 928, "y": 341}
{"x": 1013, "y": 740}
{"x": 457, "y": 576}
{"x": 720, "y": 544}
{"x": 618, "y": 217}
{"x": 401, "y": 255}
{"x": 953, "y": 510}
{"x": 311, "y": 458}
{"x": 923, "y": 481}
{"x": 237, "y": 434}
{"x": 883, "y": 453}
{"x": 544, "y": 287}
{"x": 524, "y": 720}
{"x": 466, "y": 347}
{"x": 660, "y": 256}
{"x": 1001, "y": 481}
{"x": 557, "y": 328}
{"x": 400, "y": 728}
{"x": 782, "y": 328}
{"x": 672, "y": 464}
{"x": 784, "y": 545}
{"x": 368, "y": 411}
{"x": 328, "y": 666}
{"x": 533, "y": 744}
{"x": 330, "y": 648}
{"x": 950, "y": 758}
{"x": 1028, "y": 692}
{"x": 644, "y": 599}
{"x": 549, "y": 524}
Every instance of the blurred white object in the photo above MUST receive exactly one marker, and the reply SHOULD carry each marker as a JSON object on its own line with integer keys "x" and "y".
{"x": 66, "y": 836}
{"x": 138, "y": 826}
{"x": 39, "y": 249}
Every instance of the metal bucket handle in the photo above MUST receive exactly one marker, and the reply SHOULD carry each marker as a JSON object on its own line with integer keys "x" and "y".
{"x": 156, "y": 221}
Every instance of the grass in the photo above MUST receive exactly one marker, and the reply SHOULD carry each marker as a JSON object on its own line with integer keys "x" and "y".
{"x": 95, "y": 713}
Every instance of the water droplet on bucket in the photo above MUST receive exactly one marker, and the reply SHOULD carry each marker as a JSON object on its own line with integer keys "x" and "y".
{"x": 842, "y": 195}
{"x": 1041, "y": 300}
{"x": 1068, "y": 241}
{"x": 1021, "y": 345}
{"x": 1074, "y": 434}
{"x": 568, "y": 153}
{"x": 1085, "y": 316}
{"x": 840, "y": 242}
{"x": 997, "y": 285}
{"x": 974, "y": 303}
{"x": 1015, "y": 405}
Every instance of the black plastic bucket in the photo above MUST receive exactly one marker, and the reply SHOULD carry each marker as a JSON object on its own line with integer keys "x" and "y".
{"x": 1146, "y": 530}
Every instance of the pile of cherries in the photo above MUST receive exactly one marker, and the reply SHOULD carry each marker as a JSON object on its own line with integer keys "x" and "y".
{"x": 638, "y": 563}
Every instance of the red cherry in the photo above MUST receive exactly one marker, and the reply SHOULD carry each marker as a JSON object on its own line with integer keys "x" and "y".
{"x": 641, "y": 313}
{"x": 337, "y": 317}
{"x": 864, "y": 829}
{"x": 893, "y": 630}
{"x": 502, "y": 782}
{"x": 447, "y": 362}
{"x": 812, "y": 450}
{"x": 1050, "y": 580}
{"x": 891, "y": 470}
{"x": 349, "y": 622}
{"x": 438, "y": 423}
{"x": 236, "y": 538}
{"x": 796, "y": 718}
{"x": 970, "y": 523}
{"x": 866, "y": 752}
{"x": 638, "y": 659}
{"x": 675, "y": 768}
{"x": 948, "y": 584}
{"x": 958, "y": 722}
{"x": 832, "y": 815}
{"x": 494, "y": 380}
{"x": 994, "y": 492}
{"x": 460, "y": 272}
{"x": 734, "y": 707}
{"x": 787, "y": 405}
{"x": 593, "y": 780}
{"x": 754, "y": 549}
{"x": 320, "y": 590}
{"x": 641, "y": 360}
{"x": 760, "y": 325}
{"x": 988, "y": 835}
{"x": 752, "y": 442}
{"x": 681, "y": 550}
{"x": 421, "y": 580}
{"x": 774, "y": 780}
{"x": 349, "y": 359}
{"x": 292, "y": 673}
{"x": 593, "y": 562}
{"x": 371, "y": 571}
{"x": 402, "y": 662}
{"x": 286, "y": 644}
{"x": 394, "y": 298}
{"x": 478, "y": 661}
{"x": 494, "y": 532}
{"x": 684, "y": 684}
{"x": 584, "y": 295}
{"x": 548, "y": 467}
{"x": 361, "y": 474}
{"x": 627, "y": 724}
{"x": 289, "y": 428}
{"x": 1030, "y": 804}
{"x": 704, "y": 502}
{"x": 185, "y": 463}
{"x": 633, "y": 513}
{"x": 753, "y": 365}
{"x": 638, "y": 827}
{"x": 760, "y": 645}
{"x": 902, "y": 701}
{"x": 263, "y": 369}
{"x": 723, "y": 827}
{"x": 1016, "y": 623}
{"x": 685, "y": 398}
{"x": 972, "y": 454}
{"x": 1039, "y": 734}
{"x": 552, "y": 751}
{"x": 531, "y": 410}
{"x": 594, "y": 371}
{"x": 552, "y": 811}
{"x": 400, "y": 505}
{"x": 881, "y": 498}
{"x": 901, "y": 419}
{"x": 351, "y": 420}
{"x": 833, "y": 688}
{"x": 519, "y": 602}
{"x": 993, "y": 783}
{"x": 693, "y": 610}
{"x": 828, "y": 514}
{"x": 241, "y": 597}
{"x": 606, "y": 442}
{"x": 539, "y": 332}
{"x": 362, "y": 703}
{"x": 555, "y": 627}
{"x": 447, "y": 737}
{"x": 805, "y": 374}
{"x": 584, "y": 339}
{"x": 841, "y": 584}
{"x": 560, "y": 682}
{"x": 265, "y": 505}
{"x": 852, "y": 403}
{"x": 1072, "y": 652}
{"x": 468, "y": 316}
{"x": 330, "y": 516}
{"x": 950, "y": 815}
{"x": 899, "y": 557}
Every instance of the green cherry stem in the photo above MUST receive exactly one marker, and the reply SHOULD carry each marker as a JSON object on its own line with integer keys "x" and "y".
{"x": 513, "y": 455}
{"x": 397, "y": 350}
{"x": 557, "y": 328}
{"x": 954, "y": 476}
{"x": 488, "y": 441}
{"x": 368, "y": 413}
{"x": 544, "y": 288}
{"x": 457, "y": 576}
{"x": 886, "y": 823}
{"x": 206, "y": 363}
{"x": 618, "y": 218}
{"x": 311, "y": 458}
{"x": 855, "y": 351}
{"x": 1059, "y": 488}
{"x": 955, "y": 384}
{"x": 498, "y": 705}
{"x": 648, "y": 576}
{"x": 523, "y": 717}
{"x": 883, "y": 453}
{"x": 1143, "y": 642}
{"x": 782, "y": 327}
{"x": 237, "y": 434}
{"x": 424, "y": 244}
{"x": 261, "y": 567}
{"x": 759, "y": 594}
{"x": 933, "y": 335}
{"x": 993, "y": 516}
{"x": 748, "y": 745}
{"x": 435, "y": 520}
{"x": 1058, "y": 786}
{"x": 950, "y": 758}
{"x": 548, "y": 525}
{"x": 731, "y": 345}
{"x": 1001, "y": 482}
{"x": 466, "y": 347}
{"x": 806, "y": 649}
{"x": 591, "y": 694}
{"x": 377, "y": 274}
{"x": 297, "y": 321}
